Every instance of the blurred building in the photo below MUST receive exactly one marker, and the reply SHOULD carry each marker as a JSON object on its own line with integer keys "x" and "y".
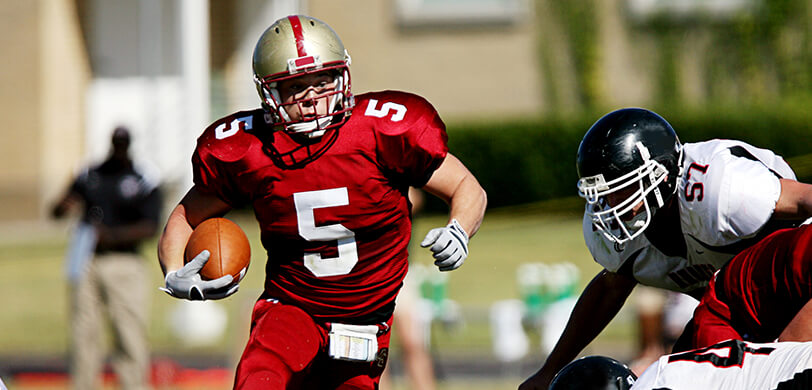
{"x": 74, "y": 69}
{"x": 166, "y": 68}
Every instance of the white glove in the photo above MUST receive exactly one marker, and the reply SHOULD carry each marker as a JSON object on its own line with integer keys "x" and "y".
{"x": 449, "y": 244}
{"x": 186, "y": 282}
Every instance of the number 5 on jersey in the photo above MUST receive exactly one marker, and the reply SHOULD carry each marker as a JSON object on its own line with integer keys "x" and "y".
{"x": 305, "y": 203}
{"x": 225, "y": 130}
{"x": 373, "y": 110}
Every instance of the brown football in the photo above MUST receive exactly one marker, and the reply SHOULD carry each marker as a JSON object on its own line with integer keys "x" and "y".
{"x": 228, "y": 245}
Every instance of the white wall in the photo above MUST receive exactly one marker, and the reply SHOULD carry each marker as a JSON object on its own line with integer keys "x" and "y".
{"x": 150, "y": 61}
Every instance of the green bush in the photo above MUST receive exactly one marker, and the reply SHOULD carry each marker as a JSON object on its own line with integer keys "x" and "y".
{"x": 526, "y": 161}
{"x": 521, "y": 162}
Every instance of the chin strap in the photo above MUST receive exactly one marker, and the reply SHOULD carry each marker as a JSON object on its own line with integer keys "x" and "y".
{"x": 312, "y": 129}
{"x": 655, "y": 173}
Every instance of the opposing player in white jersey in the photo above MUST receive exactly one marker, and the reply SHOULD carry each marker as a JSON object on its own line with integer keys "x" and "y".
{"x": 729, "y": 365}
{"x": 733, "y": 364}
{"x": 667, "y": 215}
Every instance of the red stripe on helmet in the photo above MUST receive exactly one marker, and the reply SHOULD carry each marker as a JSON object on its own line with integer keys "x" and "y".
{"x": 296, "y": 25}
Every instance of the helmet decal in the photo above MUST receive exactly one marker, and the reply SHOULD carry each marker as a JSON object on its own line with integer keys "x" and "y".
{"x": 304, "y": 61}
{"x": 296, "y": 26}
{"x": 296, "y": 65}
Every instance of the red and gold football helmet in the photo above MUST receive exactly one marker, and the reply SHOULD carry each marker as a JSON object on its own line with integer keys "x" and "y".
{"x": 299, "y": 45}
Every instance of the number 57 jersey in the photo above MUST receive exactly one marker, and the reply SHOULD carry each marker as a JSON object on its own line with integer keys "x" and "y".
{"x": 726, "y": 196}
{"x": 336, "y": 229}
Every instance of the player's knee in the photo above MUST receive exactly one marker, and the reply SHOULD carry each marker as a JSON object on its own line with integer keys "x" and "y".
{"x": 265, "y": 379}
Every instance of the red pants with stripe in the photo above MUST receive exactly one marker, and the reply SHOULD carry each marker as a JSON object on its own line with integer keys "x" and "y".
{"x": 287, "y": 349}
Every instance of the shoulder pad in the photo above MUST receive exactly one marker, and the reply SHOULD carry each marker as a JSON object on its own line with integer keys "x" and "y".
{"x": 229, "y": 138}
{"x": 738, "y": 194}
{"x": 392, "y": 112}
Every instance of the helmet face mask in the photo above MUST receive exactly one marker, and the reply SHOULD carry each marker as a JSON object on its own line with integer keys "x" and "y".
{"x": 628, "y": 162}
{"x": 298, "y": 47}
{"x": 310, "y": 125}
{"x": 623, "y": 220}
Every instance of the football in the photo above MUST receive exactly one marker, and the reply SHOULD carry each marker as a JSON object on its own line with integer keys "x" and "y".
{"x": 228, "y": 245}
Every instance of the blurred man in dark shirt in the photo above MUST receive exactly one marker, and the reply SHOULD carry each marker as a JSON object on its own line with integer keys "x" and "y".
{"x": 121, "y": 208}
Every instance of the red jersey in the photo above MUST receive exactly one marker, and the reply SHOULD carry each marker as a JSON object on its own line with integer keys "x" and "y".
{"x": 335, "y": 229}
{"x": 758, "y": 293}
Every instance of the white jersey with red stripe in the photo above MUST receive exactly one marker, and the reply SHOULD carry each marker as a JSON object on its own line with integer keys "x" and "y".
{"x": 732, "y": 364}
{"x": 726, "y": 195}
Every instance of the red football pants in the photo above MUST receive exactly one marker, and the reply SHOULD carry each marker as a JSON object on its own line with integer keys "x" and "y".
{"x": 758, "y": 292}
{"x": 287, "y": 349}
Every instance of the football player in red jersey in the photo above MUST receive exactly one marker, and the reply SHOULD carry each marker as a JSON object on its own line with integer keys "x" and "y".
{"x": 327, "y": 175}
{"x": 762, "y": 295}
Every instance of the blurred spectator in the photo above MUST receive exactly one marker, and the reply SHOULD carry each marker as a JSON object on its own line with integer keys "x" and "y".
{"x": 107, "y": 276}
{"x": 407, "y": 328}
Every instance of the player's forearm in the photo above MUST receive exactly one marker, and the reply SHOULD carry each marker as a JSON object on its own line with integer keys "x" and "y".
{"x": 455, "y": 184}
{"x": 468, "y": 204}
{"x": 172, "y": 242}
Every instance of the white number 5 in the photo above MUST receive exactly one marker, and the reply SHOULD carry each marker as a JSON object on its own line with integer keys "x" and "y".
{"x": 305, "y": 203}
{"x": 225, "y": 130}
{"x": 372, "y": 110}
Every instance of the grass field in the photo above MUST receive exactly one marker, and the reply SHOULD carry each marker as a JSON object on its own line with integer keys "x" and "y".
{"x": 35, "y": 303}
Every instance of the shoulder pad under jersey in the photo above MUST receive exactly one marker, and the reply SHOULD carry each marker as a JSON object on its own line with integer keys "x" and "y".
{"x": 725, "y": 196}
{"x": 401, "y": 110}
{"x": 230, "y": 137}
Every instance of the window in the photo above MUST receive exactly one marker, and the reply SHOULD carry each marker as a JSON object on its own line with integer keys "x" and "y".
{"x": 415, "y": 13}
{"x": 642, "y": 10}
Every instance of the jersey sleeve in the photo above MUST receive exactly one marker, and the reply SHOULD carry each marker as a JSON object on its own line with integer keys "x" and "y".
{"x": 211, "y": 176}
{"x": 748, "y": 196}
{"x": 79, "y": 184}
{"x": 413, "y": 147}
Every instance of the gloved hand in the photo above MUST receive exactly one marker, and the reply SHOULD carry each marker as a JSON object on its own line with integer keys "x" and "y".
{"x": 449, "y": 244}
{"x": 186, "y": 282}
